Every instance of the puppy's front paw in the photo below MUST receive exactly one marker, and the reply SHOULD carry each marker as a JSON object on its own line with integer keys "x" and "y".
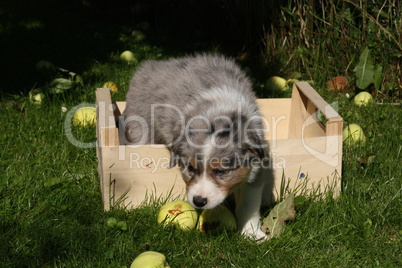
{"x": 254, "y": 233}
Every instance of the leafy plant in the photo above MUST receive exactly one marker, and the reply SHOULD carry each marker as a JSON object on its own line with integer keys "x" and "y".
{"x": 366, "y": 72}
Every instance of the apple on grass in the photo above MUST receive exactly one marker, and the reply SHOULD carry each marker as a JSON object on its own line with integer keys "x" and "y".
{"x": 84, "y": 116}
{"x": 128, "y": 57}
{"x": 179, "y": 213}
{"x": 111, "y": 86}
{"x": 36, "y": 97}
{"x": 353, "y": 134}
{"x": 216, "y": 220}
{"x": 338, "y": 83}
{"x": 363, "y": 98}
{"x": 150, "y": 259}
{"x": 276, "y": 83}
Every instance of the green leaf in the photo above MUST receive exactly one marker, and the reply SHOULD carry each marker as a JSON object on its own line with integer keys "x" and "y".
{"x": 274, "y": 223}
{"x": 364, "y": 70}
{"x": 377, "y": 76}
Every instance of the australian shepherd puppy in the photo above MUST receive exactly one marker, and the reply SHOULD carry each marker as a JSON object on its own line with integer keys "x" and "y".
{"x": 204, "y": 109}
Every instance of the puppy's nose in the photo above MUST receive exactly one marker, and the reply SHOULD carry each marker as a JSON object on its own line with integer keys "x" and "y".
{"x": 200, "y": 201}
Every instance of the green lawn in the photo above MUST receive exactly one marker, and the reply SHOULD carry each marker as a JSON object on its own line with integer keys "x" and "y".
{"x": 51, "y": 212}
{"x": 51, "y": 207}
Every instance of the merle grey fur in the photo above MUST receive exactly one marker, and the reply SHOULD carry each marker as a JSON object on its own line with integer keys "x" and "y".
{"x": 181, "y": 102}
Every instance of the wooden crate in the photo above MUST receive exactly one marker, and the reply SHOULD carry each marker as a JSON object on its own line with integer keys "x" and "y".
{"x": 306, "y": 154}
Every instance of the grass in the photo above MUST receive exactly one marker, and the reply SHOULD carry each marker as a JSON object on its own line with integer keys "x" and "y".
{"x": 51, "y": 212}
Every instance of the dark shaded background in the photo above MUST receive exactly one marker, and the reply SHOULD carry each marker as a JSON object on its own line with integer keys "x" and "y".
{"x": 74, "y": 34}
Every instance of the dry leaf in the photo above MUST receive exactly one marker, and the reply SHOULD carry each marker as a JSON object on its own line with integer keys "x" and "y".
{"x": 274, "y": 223}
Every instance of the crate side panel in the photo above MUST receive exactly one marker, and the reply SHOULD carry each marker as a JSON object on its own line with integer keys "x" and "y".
{"x": 315, "y": 163}
{"x": 276, "y": 114}
{"x": 140, "y": 174}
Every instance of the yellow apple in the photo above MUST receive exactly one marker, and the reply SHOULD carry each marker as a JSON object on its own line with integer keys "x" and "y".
{"x": 128, "y": 57}
{"x": 276, "y": 83}
{"x": 85, "y": 116}
{"x": 353, "y": 134}
{"x": 36, "y": 97}
{"x": 179, "y": 213}
{"x": 150, "y": 259}
{"x": 112, "y": 86}
{"x": 363, "y": 98}
{"x": 216, "y": 220}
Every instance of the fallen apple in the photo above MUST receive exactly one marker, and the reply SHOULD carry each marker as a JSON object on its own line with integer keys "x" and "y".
{"x": 216, "y": 220}
{"x": 128, "y": 57}
{"x": 339, "y": 83}
{"x": 122, "y": 225}
{"x": 84, "y": 116}
{"x": 363, "y": 98}
{"x": 179, "y": 213}
{"x": 112, "y": 86}
{"x": 111, "y": 222}
{"x": 150, "y": 259}
{"x": 353, "y": 134}
{"x": 36, "y": 97}
{"x": 276, "y": 83}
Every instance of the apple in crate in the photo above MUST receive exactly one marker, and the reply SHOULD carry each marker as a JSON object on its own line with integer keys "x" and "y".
{"x": 353, "y": 134}
{"x": 84, "y": 116}
{"x": 179, "y": 213}
{"x": 216, "y": 220}
{"x": 150, "y": 259}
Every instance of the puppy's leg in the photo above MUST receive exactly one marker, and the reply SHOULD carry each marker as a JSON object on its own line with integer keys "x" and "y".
{"x": 248, "y": 203}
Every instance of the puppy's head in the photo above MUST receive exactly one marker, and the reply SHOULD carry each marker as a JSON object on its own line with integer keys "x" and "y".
{"x": 217, "y": 155}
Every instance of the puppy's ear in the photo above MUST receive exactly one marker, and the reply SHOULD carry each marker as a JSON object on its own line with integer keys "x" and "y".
{"x": 256, "y": 145}
{"x": 173, "y": 159}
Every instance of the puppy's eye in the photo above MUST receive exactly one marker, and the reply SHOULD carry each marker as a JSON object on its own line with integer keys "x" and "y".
{"x": 220, "y": 172}
{"x": 190, "y": 168}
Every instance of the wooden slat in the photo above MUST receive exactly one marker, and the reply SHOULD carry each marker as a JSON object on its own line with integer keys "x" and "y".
{"x": 317, "y": 100}
{"x": 106, "y": 122}
{"x": 334, "y": 122}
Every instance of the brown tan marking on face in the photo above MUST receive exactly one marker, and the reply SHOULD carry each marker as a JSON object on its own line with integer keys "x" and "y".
{"x": 227, "y": 179}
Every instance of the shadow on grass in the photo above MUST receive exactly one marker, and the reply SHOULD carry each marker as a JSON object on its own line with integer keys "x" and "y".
{"x": 66, "y": 33}
{"x": 76, "y": 34}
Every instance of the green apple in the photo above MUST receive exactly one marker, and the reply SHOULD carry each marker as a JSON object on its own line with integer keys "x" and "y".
{"x": 84, "y": 116}
{"x": 276, "y": 83}
{"x": 36, "y": 97}
{"x": 111, "y": 222}
{"x": 150, "y": 259}
{"x": 216, "y": 220}
{"x": 363, "y": 98}
{"x": 179, "y": 213}
{"x": 112, "y": 86}
{"x": 128, "y": 57}
{"x": 353, "y": 134}
{"x": 122, "y": 225}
